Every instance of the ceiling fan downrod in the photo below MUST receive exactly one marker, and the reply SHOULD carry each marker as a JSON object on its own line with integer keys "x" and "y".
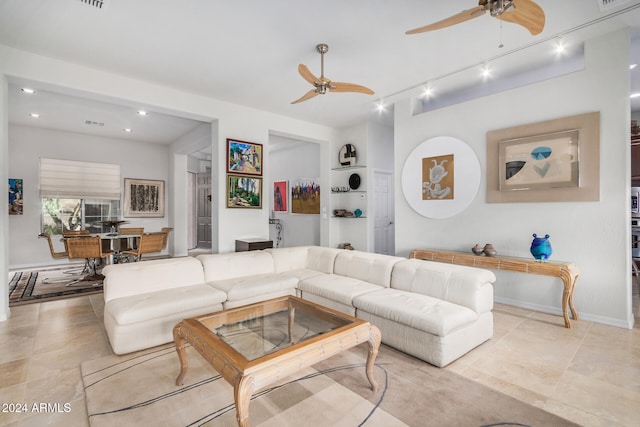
{"x": 322, "y": 48}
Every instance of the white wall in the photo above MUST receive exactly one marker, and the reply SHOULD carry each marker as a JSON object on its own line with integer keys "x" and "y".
{"x": 594, "y": 235}
{"x": 4, "y": 176}
{"x": 350, "y": 230}
{"x": 294, "y": 160}
{"x": 28, "y": 144}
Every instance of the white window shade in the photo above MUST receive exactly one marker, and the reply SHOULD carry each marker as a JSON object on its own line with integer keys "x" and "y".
{"x": 79, "y": 180}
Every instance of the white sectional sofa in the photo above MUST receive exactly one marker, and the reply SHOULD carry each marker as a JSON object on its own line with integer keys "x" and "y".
{"x": 434, "y": 311}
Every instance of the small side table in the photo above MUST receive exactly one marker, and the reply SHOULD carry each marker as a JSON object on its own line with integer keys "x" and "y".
{"x": 253, "y": 244}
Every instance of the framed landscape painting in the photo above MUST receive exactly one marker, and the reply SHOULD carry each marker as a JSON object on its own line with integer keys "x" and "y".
{"x": 244, "y": 157}
{"x": 305, "y": 196}
{"x": 143, "y": 198}
{"x": 244, "y": 192}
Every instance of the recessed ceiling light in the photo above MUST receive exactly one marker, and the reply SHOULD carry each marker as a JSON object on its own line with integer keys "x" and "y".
{"x": 28, "y": 90}
{"x": 632, "y": 66}
{"x": 142, "y": 113}
{"x": 635, "y": 95}
{"x": 128, "y": 130}
{"x": 34, "y": 115}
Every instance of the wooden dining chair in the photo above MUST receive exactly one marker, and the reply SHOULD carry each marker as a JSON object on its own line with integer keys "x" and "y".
{"x": 54, "y": 254}
{"x": 165, "y": 241}
{"x": 89, "y": 248}
{"x": 130, "y": 243}
{"x": 76, "y": 233}
{"x": 149, "y": 243}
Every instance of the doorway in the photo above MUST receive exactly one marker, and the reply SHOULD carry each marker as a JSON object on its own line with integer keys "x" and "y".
{"x": 383, "y": 211}
{"x": 203, "y": 211}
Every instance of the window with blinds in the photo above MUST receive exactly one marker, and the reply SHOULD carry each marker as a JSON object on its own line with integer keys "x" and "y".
{"x": 72, "y": 179}
{"x": 78, "y": 195}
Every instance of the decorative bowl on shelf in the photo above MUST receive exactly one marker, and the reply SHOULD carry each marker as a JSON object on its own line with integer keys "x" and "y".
{"x": 357, "y": 213}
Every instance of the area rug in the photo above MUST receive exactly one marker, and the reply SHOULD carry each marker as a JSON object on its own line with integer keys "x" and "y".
{"x": 139, "y": 389}
{"x": 45, "y": 285}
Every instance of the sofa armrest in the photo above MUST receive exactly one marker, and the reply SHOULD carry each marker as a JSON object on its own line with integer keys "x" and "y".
{"x": 467, "y": 286}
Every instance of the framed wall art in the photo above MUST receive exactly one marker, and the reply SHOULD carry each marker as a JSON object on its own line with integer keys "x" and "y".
{"x": 280, "y": 196}
{"x": 441, "y": 177}
{"x": 244, "y": 157}
{"x": 15, "y": 196}
{"x": 551, "y": 161}
{"x": 143, "y": 198}
{"x": 244, "y": 191}
{"x": 540, "y": 162}
{"x": 305, "y": 196}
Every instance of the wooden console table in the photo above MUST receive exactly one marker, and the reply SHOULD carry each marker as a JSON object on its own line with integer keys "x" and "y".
{"x": 567, "y": 271}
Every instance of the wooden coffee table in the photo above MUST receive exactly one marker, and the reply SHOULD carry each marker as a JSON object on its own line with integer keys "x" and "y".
{"x": 257, "y": 345}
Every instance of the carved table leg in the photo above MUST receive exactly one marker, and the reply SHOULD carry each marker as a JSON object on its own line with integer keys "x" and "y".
{"x": 374, "y": 343}
{"x": 574, "y": 313}
{"x": 569, "y": 280}
{"x": 182, "y": 353}
{"x": 242, "y": 394}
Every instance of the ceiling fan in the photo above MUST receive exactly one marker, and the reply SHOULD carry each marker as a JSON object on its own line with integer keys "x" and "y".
{"x": 522, "y": 12}
{"x": 323, "y": 84}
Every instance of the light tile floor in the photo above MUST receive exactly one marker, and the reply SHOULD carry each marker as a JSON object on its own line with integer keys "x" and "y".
{"x": 589, "y": 374}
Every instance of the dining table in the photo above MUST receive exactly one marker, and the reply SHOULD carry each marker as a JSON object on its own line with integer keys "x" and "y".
{"x": 112, "y": 237}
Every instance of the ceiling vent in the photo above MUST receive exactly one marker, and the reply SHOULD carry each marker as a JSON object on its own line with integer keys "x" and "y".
{"x": 98, "y": 4}
{"x": 610, "y": 4}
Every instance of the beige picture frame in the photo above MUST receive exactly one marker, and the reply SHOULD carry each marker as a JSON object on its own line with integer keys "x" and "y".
{"x": 584, "y": 182}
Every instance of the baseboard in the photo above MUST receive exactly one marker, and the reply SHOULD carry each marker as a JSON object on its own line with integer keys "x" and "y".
{"x": 619, "y": 323}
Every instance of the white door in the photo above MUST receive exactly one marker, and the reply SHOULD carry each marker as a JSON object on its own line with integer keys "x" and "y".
{"x": 383, "y": 226}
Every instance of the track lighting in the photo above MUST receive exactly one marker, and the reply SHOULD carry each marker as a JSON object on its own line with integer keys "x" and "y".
{"x": 428, "y": 91}
{"x": 486, "y": 71}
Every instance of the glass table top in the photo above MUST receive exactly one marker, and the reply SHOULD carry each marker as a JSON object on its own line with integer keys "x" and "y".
{"x": 260, "y": 331}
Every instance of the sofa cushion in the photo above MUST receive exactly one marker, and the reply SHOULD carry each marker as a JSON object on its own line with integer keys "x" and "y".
{"x": 316, "y": 258}
{"x": 242, "y": 288}
{"x": 156, "y": 305}
{"x": 121, "y": 280}
{"x": 235, "y": 264}
{"x": 468, "y": 286}
{"x": 418, "y": 311}
{"x": 335, "y": 287}
{"x": 369, "y": 267}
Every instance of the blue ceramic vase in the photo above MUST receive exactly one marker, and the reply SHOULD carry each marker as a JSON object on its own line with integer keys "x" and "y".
{"x": 541, "y": 248}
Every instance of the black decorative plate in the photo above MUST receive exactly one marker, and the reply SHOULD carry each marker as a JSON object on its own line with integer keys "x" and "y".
{"x": 354, "y": 181}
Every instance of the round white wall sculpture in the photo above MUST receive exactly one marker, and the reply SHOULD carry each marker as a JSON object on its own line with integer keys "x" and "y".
{"x": 466, "y": 177}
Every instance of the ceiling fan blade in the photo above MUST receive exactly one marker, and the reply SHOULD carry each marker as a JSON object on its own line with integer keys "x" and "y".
{"x": 306, "y": 96}
{"x": 526, "y": 13}
{"x": 308, "y": 75}
{"x": 463, "y": 16}
{"x": 349, "y": 87}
